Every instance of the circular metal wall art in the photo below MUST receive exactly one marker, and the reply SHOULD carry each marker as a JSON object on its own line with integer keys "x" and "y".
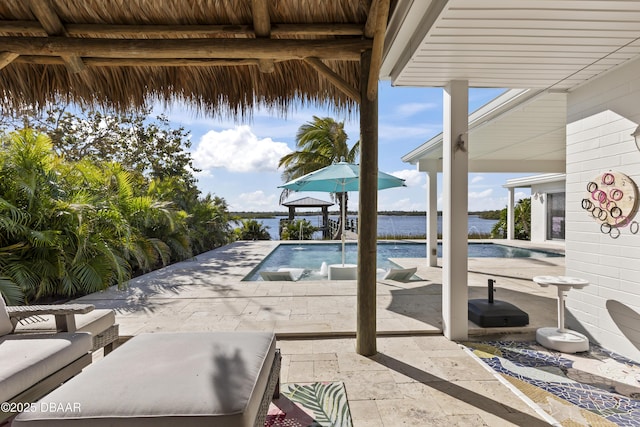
{"x": 611, "y": 199}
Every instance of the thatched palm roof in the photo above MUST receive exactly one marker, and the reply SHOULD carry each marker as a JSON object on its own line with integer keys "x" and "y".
{"x": 220, "y": 56}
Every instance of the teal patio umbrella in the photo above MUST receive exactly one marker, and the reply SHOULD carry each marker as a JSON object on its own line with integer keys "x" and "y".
{"x": 339, "y": 177}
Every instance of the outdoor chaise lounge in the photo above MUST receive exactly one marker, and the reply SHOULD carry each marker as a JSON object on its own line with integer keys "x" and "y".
{"x": 31, "y": 365}
{"x": 276, "y": 276}
{"x": 400, "y": 274}
{"x": 219, "y": 379}
{"x": 101, "y": 324}
{"x": 283, "y": 273}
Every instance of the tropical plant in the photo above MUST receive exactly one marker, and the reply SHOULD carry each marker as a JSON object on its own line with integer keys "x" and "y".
{"x": 111, "y": 196}
{"x": 47, "y": 230}
{"x": 252, "y": 230}
{"x": 300, "y": 229}
{"x": 522, "y": 222}
{"x": 321, "y": 142}
{"x": 149, "y": 146}
{"x": 209, "y": 224}
{"x": 71, "y": 228}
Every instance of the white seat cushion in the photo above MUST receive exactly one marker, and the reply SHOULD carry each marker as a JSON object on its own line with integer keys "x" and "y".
{"x": 29, "y": 358}
{"x": 94, "y": 322}
{"x": 169, "y": 379}
{"x": 5, "y": 323}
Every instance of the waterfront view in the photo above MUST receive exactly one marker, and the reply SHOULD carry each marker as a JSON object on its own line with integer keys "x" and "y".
{"x": 389, "y": 226}
{"x": 310, "y": 256}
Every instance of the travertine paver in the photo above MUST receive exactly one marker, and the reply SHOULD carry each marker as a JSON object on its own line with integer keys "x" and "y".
{"x": 411, "y": 381}
{"x": 419, "y": 378}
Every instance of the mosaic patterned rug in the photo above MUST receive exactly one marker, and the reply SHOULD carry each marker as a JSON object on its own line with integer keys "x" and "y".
{"x": 310, "y": 405}
{"x": 594, "y": 388}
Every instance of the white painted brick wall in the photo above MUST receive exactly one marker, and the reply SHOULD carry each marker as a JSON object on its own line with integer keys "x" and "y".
{"x": 601, "y": 117}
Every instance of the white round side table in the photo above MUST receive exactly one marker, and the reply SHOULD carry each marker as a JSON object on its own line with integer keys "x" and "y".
{"x": 560, "y": 338}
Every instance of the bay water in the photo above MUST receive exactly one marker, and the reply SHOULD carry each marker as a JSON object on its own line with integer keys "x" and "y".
{"x": 389, "y": 226}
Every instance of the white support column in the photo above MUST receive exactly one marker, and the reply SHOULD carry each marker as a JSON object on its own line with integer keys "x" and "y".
{"x": 510, "y": 219}
{"x": 455, "y": 166}
{"x": 432, "y": 218}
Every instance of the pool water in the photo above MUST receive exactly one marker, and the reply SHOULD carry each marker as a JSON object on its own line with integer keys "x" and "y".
{"x": 311, "y": 256}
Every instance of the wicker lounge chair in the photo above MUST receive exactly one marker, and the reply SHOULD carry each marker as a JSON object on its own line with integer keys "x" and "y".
{"x": 31, "y": 365}
{"x": 170, "y": 379}
{"x": 101, "y": 324}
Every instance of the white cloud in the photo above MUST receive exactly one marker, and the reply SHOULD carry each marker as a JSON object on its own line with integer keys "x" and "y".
{"x": 203, "y": 174}
{"x": 481, "y": 194}
{"x": 412, "y": 177}
{"x": 519, "y": 195}
{"x": 415, "y": 135}
{"x": 409, "y": 109}
{"x": 476, "y": 179}
{"x": 238, "y": 150}
{"x": 404, "y": 204}
{"x": 255, "y": 201}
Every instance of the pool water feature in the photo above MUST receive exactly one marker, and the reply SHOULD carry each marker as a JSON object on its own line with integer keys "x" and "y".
{"x": 311, "y": 256}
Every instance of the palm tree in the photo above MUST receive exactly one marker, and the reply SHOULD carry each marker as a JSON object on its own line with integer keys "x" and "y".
{"x": 321, "y": 142}
{"x": 522, "y": 221}
{"x": 253, "y": 230}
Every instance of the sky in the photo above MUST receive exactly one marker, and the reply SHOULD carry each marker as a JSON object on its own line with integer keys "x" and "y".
{"x": 239, "y": 159}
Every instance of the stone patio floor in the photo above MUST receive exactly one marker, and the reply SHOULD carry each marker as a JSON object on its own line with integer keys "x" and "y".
{"x": 418, "y": 377}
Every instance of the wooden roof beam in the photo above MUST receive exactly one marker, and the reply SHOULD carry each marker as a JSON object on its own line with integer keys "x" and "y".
{"x": 7, "y": 58}
{"x": 339, "y": 49}
{"x": 381, "y": 10}
{"x": 137, "y": 62}
{"x": 334, "y": 78}
{"x": 35, "y": 29}
{"x": 262, "y": 28}
{"x": 51, "y": 23}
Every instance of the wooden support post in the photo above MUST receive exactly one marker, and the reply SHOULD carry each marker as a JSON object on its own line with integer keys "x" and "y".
{"x": 368, "y": 215}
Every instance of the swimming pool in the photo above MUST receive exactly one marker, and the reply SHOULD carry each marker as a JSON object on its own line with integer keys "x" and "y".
{"x": 311, "y": 256}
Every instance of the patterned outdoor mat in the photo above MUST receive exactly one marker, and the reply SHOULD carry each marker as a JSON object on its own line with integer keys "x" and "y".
{"x": 307, "y": 405}
{"x": 594, "y": 388}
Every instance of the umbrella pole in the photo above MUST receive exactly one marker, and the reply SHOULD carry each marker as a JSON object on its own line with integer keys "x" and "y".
{"x": 344, "y": 214}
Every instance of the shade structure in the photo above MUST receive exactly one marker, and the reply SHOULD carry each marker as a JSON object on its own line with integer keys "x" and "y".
{"x": 339, "y": 177}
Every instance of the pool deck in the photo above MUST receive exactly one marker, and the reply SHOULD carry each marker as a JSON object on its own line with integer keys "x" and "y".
{"x": 420, "y": 378}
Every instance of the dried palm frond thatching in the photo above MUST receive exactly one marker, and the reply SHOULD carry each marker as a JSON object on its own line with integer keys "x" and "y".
{"x": 222, "y": 57}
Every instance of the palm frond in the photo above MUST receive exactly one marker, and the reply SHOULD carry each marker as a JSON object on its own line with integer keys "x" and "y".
{"x": 11, "y": 292}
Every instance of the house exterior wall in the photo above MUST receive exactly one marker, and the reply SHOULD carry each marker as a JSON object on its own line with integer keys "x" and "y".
{"x": 539, "y": 208}
{"x": 601, "y": 115}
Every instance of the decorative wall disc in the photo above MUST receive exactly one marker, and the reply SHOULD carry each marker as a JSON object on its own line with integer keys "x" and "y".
{"x": 612, "y": 200}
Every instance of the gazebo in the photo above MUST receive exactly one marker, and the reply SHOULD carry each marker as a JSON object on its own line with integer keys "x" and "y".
{"x": 310, "y": 202}
{"x": 222, "y": 57}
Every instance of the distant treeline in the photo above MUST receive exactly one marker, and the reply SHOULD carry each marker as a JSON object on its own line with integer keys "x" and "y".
{"x": 482, "y": 214}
